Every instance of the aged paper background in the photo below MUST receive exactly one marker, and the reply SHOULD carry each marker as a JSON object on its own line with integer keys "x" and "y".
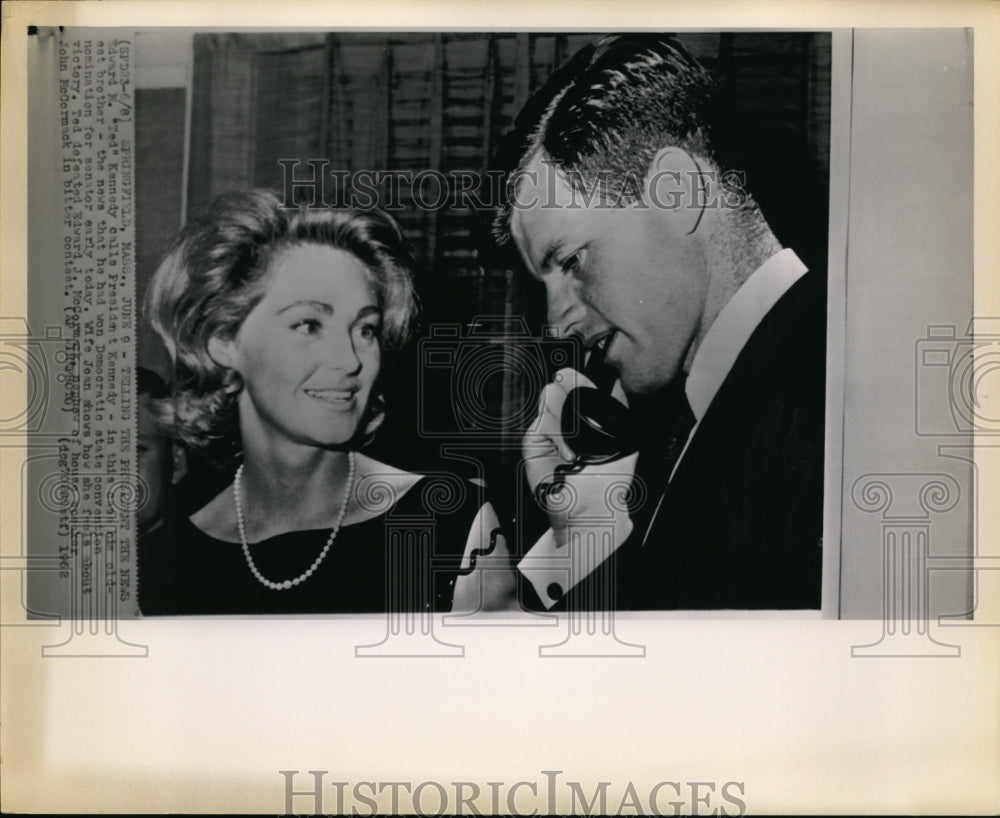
{"x": 207, "y": 720}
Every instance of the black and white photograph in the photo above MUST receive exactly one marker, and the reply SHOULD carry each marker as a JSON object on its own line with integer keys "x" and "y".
{"x": 658, "y": 354}
{"x": 533, "y": 415}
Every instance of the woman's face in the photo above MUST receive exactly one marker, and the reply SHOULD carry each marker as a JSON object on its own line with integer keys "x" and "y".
{"x": 308, "y": 353}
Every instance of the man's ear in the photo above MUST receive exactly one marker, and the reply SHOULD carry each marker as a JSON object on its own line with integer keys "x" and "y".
{"x": 222, "y": 351}
{"x": 677, "y": 185}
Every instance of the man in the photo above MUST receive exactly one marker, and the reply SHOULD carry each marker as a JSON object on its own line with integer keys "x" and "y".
{"x": 162, "y": 461}
{"x": 621, "y": 205}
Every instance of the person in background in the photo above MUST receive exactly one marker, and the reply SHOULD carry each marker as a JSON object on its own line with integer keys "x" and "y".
{"x": 162, "y": 460}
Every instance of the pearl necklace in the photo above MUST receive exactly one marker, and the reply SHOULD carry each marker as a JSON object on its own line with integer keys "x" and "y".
{"x": 289, "y": 583}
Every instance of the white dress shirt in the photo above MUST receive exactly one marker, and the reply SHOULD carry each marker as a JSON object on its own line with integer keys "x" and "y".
{"x": 547, "y": 564}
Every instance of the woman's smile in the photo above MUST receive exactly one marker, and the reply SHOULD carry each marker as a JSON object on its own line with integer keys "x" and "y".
{"x": 340, "y": 399}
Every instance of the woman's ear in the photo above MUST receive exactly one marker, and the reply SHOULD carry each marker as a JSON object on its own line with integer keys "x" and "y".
{"x": 222, "y": 351}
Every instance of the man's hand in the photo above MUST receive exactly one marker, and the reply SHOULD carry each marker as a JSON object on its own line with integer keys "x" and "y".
{"x": 596, "y": 494}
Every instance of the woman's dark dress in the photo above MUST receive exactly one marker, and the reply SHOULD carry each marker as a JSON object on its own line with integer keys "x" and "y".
{"x": 182, "y": 570}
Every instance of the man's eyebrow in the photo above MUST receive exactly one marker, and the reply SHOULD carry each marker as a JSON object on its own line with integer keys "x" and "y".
{"x": 322, "y": 306}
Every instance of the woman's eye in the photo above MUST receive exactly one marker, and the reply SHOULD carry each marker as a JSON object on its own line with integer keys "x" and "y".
{"x": 369, "y": 332}
{"x": 307, "y": 326}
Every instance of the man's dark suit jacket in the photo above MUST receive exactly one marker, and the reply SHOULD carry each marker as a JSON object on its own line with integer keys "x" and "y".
{"x": 740, "y": 524}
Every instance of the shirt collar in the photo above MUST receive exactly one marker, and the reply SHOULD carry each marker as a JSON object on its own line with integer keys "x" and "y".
{"x": 735, "y": 324}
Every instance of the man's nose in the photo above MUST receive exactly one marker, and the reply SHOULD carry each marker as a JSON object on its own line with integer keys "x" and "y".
{"x": 565, "y": 308}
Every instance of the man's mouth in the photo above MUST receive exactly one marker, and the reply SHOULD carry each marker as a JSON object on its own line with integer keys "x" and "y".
{"x": 597, "y": 367}
{"x": 600, "y": 345}
{"x": 604, "y": 341}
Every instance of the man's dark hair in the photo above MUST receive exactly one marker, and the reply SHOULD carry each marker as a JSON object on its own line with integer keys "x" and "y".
{"x": 603, "y": 116}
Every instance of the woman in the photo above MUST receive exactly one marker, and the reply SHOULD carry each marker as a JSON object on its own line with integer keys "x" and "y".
{"x": 279, "y": 323}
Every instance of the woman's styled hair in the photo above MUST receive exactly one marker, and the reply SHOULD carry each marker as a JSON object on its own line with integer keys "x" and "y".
{"x": 215, "y": 274}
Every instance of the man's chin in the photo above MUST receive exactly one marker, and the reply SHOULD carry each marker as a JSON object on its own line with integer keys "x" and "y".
{"x": 636, "y": 383}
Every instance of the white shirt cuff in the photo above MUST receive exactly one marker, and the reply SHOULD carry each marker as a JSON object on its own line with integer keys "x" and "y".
{"x": 554, "y": 569}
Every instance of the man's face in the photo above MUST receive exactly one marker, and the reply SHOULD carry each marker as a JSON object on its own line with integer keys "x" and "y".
{"x": 626, "y": 272}
{"x": 156, "y": 467}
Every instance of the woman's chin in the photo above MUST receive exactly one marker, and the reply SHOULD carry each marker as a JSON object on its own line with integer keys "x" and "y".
{"x": 325, "y": 437}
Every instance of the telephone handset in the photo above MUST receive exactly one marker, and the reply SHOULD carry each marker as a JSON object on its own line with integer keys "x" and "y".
{"x": 596, "y": 426}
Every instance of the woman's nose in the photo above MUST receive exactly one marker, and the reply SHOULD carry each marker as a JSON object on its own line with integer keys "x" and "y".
{"x": 339, "y": 353}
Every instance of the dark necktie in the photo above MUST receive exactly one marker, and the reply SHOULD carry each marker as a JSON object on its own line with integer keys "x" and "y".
{"x": 664, "y": 420}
